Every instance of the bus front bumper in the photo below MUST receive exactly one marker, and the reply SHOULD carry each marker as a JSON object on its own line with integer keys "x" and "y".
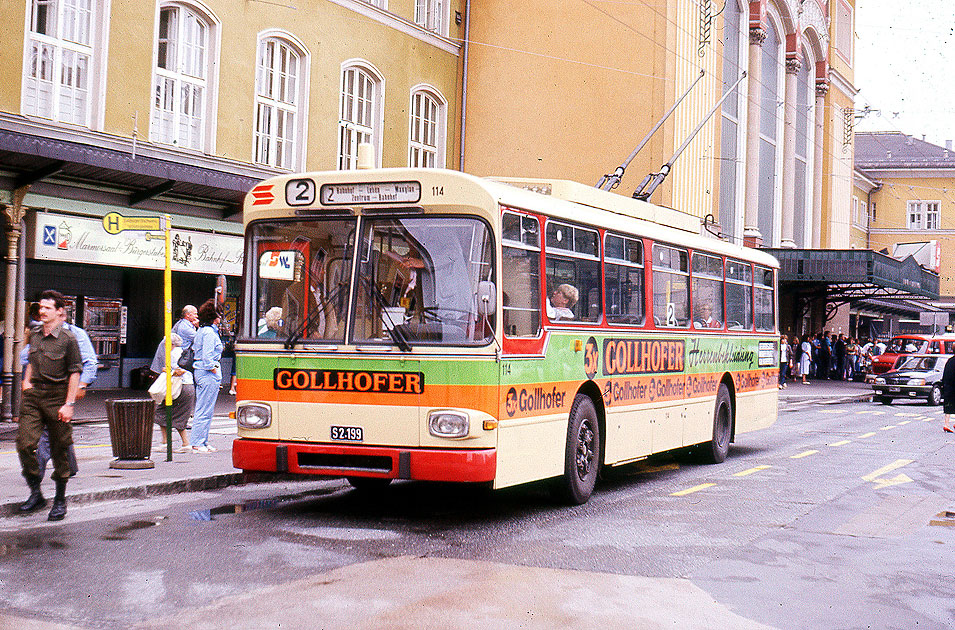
{"x": 336, "y": 460}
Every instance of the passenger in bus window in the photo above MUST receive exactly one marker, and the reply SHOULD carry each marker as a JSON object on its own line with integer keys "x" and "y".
{"x": 562, "y": 300}
{"x": 272, "y": 323}
{"x": 706, "y": 319}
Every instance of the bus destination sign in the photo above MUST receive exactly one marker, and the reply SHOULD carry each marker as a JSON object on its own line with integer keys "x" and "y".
{"x": 377, "y": 192}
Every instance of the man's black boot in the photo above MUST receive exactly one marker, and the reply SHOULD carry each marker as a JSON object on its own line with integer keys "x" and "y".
{"x": 58, "y": 511}
{"x": 35, "y": 501}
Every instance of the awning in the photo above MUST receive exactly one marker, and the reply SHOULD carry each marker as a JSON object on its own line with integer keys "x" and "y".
{"x": 851, "y": 274}
{"x": 137, "y": 171}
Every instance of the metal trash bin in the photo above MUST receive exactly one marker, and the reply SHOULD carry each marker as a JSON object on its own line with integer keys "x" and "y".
{"x": 131, "y": 432}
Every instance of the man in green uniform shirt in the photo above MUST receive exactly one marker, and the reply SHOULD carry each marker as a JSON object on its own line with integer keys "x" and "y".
{"x": 50, "y": 384}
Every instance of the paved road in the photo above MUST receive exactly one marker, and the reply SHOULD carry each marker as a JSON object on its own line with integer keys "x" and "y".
{"x": 837, "y": 517}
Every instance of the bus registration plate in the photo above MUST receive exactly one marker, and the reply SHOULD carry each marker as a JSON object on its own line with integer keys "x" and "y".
{"x": 348, "y": 434}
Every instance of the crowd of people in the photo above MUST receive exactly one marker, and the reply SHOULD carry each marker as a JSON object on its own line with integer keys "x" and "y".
{"x": 825, "y": 356}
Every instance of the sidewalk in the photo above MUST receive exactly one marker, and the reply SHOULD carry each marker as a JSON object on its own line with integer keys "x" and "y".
{"x": 96, "y": 481}
{"x": 823, "y": 391}
{"x": 190, "y": 472}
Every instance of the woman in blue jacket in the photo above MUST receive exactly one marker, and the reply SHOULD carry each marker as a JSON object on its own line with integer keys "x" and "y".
{"x": 207, "y": 350}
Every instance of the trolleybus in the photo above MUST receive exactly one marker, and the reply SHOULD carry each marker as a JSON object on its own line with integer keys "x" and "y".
{"x": 431, "y": 325}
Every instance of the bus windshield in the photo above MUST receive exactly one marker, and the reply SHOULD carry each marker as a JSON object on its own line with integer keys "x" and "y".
{"x": 416, "y": 282}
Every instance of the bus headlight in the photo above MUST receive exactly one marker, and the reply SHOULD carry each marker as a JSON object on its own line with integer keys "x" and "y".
{"x": 449, "y": 424}
{"x": 254, "y": 416}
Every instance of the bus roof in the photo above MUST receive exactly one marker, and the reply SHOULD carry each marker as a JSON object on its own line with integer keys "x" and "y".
{"x": 562, "y": 199}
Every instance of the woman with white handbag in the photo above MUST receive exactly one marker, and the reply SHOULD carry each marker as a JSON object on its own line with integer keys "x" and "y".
{"x": 183, "y": 401}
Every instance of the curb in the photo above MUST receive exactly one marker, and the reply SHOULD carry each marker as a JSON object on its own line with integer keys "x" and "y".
{"x": 162, "y": 488}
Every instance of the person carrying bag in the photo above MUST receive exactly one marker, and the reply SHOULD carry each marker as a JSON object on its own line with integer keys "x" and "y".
{"x": 183, "y": 396}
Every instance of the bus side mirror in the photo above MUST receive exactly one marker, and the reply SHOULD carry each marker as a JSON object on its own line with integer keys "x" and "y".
{"x": 486, "y": 298}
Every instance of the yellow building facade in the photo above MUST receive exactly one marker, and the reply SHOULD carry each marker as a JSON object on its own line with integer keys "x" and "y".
{"x": 905, "y": 196}
{"x": 179, "y": 107}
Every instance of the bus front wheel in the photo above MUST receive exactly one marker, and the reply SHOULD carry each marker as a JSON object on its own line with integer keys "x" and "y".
{"x": 716, "y": 450}
{"x": 582, "y": 456}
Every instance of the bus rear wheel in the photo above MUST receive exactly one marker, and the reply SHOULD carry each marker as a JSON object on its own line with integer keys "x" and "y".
{"x": 716, "y": 450}
{"x": 582, "y": 455}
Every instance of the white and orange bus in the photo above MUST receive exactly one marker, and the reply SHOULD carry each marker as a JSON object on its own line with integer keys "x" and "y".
{"x": 427, "y": 324}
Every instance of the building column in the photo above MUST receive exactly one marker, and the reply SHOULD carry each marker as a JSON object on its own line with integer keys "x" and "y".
{"x": 751, "y": 234}
{"x": 789, "y": 155}
{"x": 14, "y": 213}
{"x": 822, "y": 89}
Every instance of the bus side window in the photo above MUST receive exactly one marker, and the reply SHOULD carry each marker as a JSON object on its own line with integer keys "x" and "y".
{"x": 707, "y": 291}
{"x": 739, "y": 295}
{"x": 573, "y": 273}
{"x": 671, "y": 290}
{"x": 764, "y": 299}
{"x": 623, "y": 258}
{"x": 520, "y": 274}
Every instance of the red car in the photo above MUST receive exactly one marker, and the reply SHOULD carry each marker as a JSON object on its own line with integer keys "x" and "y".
{"x": 904, "y": 345}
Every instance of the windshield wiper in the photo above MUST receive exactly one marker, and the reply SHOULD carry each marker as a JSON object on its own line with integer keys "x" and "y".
{"x": 397, "y": 334}
{"x": 313, "y": 318}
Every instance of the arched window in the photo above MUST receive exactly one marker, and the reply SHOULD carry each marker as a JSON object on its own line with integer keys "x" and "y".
{"x": 63, "y": 40}
{"x": 427, "y": 130}
{"x": 280, "y": 92}
{"x": 359, "y": 113}
{"x": 805, "y": 131}
{"x": 732, "y": 132}
{"x": 182, "y": 84}
{"x": 770, "y": 134}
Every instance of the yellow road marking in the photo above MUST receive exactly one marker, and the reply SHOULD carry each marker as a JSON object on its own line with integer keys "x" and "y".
{"x": 894, "y": 481}
{"x": 803, "y": 454}
{"x": 866, "y": 435}
{"x": 891, "y": 426}
{"x": 841, "y": 443}
{"x": 683, "y": 493}
{"x": 750, "y": 471}
{"x": 904, "y": 422}
{"x": 905, "y": 414}
{"x": 899, "y": 463}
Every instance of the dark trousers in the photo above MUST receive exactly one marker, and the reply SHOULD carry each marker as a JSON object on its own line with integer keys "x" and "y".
{"x": 40, "y": 408}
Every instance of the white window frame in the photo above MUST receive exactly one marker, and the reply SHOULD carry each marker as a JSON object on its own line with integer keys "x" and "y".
{"x": 274, "y": 100}
{"x": 427, "y": 138}
{"x": 923, "y": 215}
{"x": 201, "y": 76}
{"x": 367, "y": 127}
{"x": 48, "y": 97}
{"x": 432, "y": 15}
